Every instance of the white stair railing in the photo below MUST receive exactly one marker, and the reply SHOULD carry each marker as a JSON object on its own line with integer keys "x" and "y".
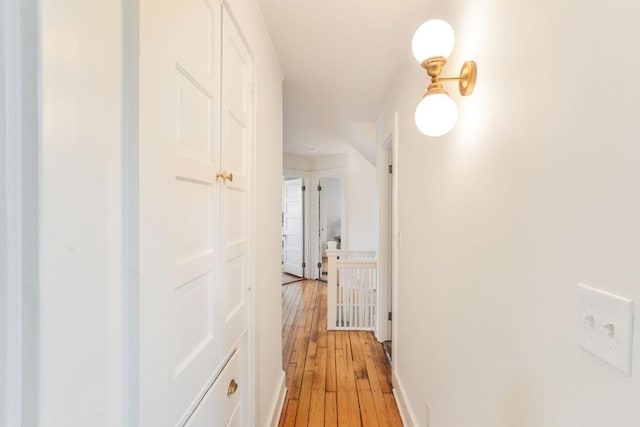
{"x": 351, "y": 289}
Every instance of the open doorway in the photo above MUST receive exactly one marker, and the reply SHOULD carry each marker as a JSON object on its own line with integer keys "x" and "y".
{"x": 293, "y": 236}
{"x": 329, "y": 219}
{"x": 388, "y": 271}
{"x": 387, "y": 165}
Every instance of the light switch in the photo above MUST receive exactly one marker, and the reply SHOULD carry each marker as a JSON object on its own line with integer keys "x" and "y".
{"x": 606, "y": 326}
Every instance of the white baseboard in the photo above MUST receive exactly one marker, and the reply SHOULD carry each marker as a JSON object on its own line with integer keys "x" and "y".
{"x": 278, "y": 401}
{"x": 406, "y": 413}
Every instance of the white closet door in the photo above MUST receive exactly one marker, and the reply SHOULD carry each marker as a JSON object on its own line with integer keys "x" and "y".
{"x": 180, "y": 344}
{"x": 237, "y": 128}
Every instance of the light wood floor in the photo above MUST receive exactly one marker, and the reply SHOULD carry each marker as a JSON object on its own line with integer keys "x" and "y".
{"x": 333, "y": 377}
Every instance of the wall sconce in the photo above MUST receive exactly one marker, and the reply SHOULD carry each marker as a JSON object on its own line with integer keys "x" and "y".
{"x": 432, "y": 43}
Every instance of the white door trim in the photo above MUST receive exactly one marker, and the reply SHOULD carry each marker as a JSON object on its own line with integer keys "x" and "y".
{"x": 252, "y": 338}
{"x": 395, "y": 245}
{"x": 19, "y": 153}
{"x": 130, "y": 326}
{"x": 385, "y": 155}
{"x": 389, "y": 145}
{"x": 11, "y": 218}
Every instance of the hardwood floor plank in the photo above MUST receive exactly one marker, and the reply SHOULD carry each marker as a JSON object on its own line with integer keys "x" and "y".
{"x": 359, "y": 367}
{"x": 331, "y": 410}
{"x": 315, "y": 318}
{"x": 381, "y": 365}
{"x": 290, "y": 376}
{"x": 331, "y": 361}
{"x": 392, "y": 410}
{"x": 304, "y": 403}
{"x": 288, "y": 418}
{"x": 322, "y": 324}
{"x": 366, "y": 403}
{"x": 333, "y": 377}
{"x": 374, "y": 383}
{"x": 317, "y": 409}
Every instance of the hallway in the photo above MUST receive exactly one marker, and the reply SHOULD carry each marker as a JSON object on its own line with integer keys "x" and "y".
{"x": 332, "y": 376}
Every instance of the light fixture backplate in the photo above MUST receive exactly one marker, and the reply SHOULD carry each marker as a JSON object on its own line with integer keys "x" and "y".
{"x": 468, "y": 76}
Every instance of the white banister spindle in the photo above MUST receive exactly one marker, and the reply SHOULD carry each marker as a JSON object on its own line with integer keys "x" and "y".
{"x": 332, "y": 285}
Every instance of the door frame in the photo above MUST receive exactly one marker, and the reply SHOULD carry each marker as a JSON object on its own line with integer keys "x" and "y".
{"x": 302, "y": 216}
{"x": 130, "y": 317}
{"x": 19, "y": 222}
{"x": 306, "y": 180}
{"x": 388, "y": 226}
{"x": 315, "y": 213}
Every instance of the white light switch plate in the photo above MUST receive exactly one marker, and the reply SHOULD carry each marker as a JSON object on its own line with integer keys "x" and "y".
{"x": 606, "y": 326}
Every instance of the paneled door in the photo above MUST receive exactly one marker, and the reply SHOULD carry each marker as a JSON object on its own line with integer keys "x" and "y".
{"x": 237, "y": 119}
{"x": 292, "y": 227}
{"x": 182, "y": 348}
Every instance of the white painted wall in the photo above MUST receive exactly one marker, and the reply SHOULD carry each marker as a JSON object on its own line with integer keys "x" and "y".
{"x": 80, "y": 217}
{"x": 360, "y": 229}
{"x": 362, "y": 204}
{"x": 533, "y": 192}
{"x": 332, "y": 199}
{"x": 269, "y": 375}
{"x": 297, "y": 163}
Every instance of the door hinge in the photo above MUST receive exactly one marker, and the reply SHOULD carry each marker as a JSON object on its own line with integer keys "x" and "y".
{"x": 304, "y": 264}
{"x": 389, "y": 317}
{"x": 319, "y": 265}
{"x": 304, "y": 188}
{"x": 319, "y": 188}
{"x": 390, "y": 168}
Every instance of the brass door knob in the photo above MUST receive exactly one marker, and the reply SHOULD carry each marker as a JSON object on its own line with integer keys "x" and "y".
{"x": 225, "y": 176}
{"x": 233, "y": 387}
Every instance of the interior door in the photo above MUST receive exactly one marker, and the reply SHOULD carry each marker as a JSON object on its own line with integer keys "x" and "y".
{"x": 237, "y": 128}
{"x": 329, "y": 219}
{"x": 292, "y": 227}
{"x": 180, "y": 340}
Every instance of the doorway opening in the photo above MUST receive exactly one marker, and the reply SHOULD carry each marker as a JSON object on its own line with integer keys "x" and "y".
{"x": 388, "y": 241}
{"x": 293, "y": 225}
{"x": 329, "y": 219}
{"x": 387, "y": 344}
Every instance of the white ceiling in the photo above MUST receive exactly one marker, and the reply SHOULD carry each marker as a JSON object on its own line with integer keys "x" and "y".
{"x": 339, "y": 58}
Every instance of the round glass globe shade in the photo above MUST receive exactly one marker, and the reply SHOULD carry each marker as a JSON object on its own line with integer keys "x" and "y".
{"x": 436, "y": 114}
{"x": 433, "y": 38}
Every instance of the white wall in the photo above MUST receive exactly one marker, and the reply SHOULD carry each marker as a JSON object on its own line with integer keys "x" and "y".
{"x": 362, "y": 204}
{"x": 297, "y": 163}
{"x": 360, "y": 230}
{"x": 80, "y": 254}
{"x": 268, "y": 199}
{"x": 533, "y": 192}
{"x": 332, "y": 198}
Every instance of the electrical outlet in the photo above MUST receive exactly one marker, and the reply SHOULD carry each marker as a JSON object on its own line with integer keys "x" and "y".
{"x": 428, "y": 413}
